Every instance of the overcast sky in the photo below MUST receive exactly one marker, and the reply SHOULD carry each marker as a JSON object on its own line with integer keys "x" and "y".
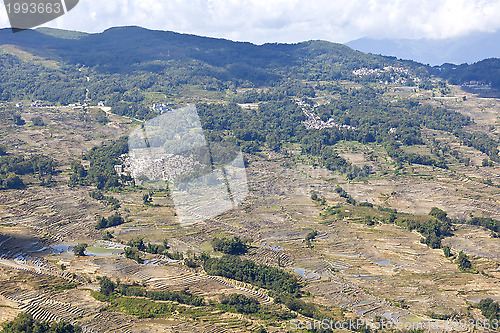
{"x": 261, "y": 21}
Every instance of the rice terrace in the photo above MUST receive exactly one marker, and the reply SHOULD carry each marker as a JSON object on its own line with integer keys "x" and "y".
{"x": 368, "y": 189}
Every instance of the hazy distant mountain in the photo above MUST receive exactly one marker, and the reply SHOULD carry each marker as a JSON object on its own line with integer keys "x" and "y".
{"x": 468, "y": 49}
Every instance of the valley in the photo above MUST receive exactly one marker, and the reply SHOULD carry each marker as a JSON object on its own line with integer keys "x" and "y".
{"x": 357, "y": 186}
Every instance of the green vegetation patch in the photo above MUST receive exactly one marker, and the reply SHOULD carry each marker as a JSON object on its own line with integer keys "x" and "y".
{"x": 24, "y": 323}
{"x": 263, "y": 276}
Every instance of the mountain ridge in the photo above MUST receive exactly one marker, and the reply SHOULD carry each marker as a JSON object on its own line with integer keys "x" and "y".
{"x": 118, "y": 49}
{"x": 469, "y": 49}
{"x": 133, "y": 58}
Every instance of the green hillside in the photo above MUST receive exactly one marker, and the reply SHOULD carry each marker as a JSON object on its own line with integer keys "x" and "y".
{"x": 133, "y": 60}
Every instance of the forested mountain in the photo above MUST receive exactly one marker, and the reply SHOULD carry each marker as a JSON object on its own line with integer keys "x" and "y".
{"x": 487, "y": 71}
{"x": 120, "y": 64}
{"x": 126, "y": 66}
{"x": 116, "y": 49}
{"x": 123, "y": 63}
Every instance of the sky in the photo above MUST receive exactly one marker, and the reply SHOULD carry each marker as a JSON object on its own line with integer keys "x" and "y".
{"x": 264, "y": 21}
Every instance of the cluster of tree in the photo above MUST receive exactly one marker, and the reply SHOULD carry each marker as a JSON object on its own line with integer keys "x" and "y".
{"x": 487, "y": 163}
{"x": 440, "y": 214}
{"x": 14, "y": 166}
{"x": 443, "y": 151}
{"x": 376, "y": 119}
{"x": 344, "y": 194}
{"x": 133, "y": 109}
{"x": 490, "y": 309}
{"x": 79, "y": 250}
{"x": 137, "y": 245}
{"x": 191, "y": 262}
{"x": 93, "y": 115}
{"x": 149, "y": 248}
{"x": 394, "y": 151}
{"x": 263, "y": 276}
{"x": 108, "y": 235}
{"x": 447, "y": 251}
{"x": 276, "y": 122}
{"x": 11, "y": 181}
{"x": 102, "y": 171}
{"x": 284, "y": 286}
{"x": 24, "y": 323}
{"x": 35, "y": 164}
{"x": 435, "y": 232}
{"x": 240, "y": 303}
{"x": 110, "y": 200}
{"x": 107, "y": 287}
{"x": 133, "y": 253}
{"x": 112, "y": 221}
{"x": 333, "y": 161}
{"x": 425, "y": 160}
{"x": 434, "y": 229}
{"x": 480, "y": 141}
{"x": 488, "y": 223}
{"x": 147, "y": 198}
{"x": 174, "y": 255}
{"x": 279, "y": 91}
{"x": 318, "y": 199}
{"x": 464, "y": 263}
{"x": 441, "y": 316}
{"x": 331, "y": 210}
{"x": 20, "y": 80}
{"x": 254, "y": 96}
{"x": 183, "y": 296}
{"x": 306, "y": 309}
{"x": 388, "y": 210}
{"x": 78, "y": 174}
{"x": 310, "y": 237}
{"x": 18, "y": 120}
{"x": 234, "y": 246}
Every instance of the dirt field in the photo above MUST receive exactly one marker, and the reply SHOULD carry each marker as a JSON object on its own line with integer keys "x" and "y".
{"x": 366, "y": 270}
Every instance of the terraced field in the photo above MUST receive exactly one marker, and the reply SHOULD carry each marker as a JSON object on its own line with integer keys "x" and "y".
{"x": 366, "y": 270}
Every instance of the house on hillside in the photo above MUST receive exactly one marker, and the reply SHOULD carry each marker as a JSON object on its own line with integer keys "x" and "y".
{"x": 161, "y": 108}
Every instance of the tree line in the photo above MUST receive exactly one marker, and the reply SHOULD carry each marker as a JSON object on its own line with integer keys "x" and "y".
{"x": 24, "y": 323}
{"x": 101, "y": 172}
{"x": 12, "y": 167}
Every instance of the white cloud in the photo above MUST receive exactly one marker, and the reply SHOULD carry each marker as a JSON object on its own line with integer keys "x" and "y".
{"x": 262, "y": 21}
{"x": 4, "y": 20}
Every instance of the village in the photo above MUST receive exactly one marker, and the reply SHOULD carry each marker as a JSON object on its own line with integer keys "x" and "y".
{"x": 403, "y": 75}
{"x": 315, "y": 122}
